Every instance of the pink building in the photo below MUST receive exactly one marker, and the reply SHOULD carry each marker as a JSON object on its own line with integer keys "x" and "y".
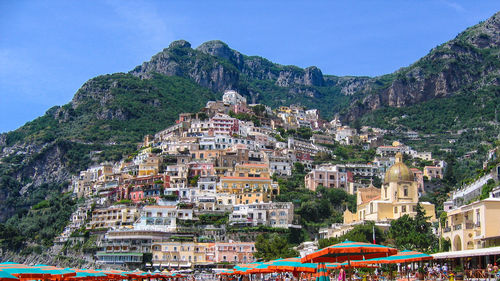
{"x": 418, "y": 176}
{"x": 201, "y": 169}
{"x": 329, "y": 177}
{"x": 222, "y": 124}
{"x": 234, "y": 252}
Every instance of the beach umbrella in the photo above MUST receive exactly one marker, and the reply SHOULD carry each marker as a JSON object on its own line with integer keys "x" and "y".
{"x": 349, "y": 250}
{"x": 405, "y": 256}
{"x": 226, "y": 272}
{"x": 321, "y": 273}
{"x": 56, "y": 272}
{"x": 114, "y": 274}
{"x": 333, "y": 266}
{"x": 24, "y": 271}
{"x": 401, "y": 257}
{"x": 292, "y": 265}
{"x": 88, "y": 274}
{"x": 4, "y": 276}
{"x": 244, "y": 269}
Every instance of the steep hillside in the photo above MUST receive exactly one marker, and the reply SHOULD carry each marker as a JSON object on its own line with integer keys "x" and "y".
{"x": 111, "y": 113}
{"x": 107, "y": 117}
{"x": 468, "y": 64}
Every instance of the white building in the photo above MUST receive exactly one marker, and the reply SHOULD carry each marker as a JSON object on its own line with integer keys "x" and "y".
{"x": 232, "y": 97}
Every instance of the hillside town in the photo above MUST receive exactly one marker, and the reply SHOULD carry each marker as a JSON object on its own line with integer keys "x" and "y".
{"x": 196, "y": 194}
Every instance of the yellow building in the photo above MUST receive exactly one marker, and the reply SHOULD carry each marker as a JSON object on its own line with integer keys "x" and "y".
{"x": 473, "y": 226}
{"x": 250, "y": 183}
{"x": 113, "y": 217}
{"x": 397, "y": 197}
{"x": 177, "y": 254}
{"x": 149, "y": 166}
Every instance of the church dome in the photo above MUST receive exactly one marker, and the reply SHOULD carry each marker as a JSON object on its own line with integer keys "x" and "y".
{"x": 399, "y": 171}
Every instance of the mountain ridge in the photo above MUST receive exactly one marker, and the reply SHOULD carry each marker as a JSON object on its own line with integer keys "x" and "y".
{"x": 110, "y": 113}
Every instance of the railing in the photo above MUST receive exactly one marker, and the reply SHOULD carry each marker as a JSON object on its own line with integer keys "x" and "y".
{"x": 457, "y": 227}
{"x": 469, "y": 225}
{"x": 447, "y": 229}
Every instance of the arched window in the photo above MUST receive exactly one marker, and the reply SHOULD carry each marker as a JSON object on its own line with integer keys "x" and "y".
{"x": 405, "y": 191}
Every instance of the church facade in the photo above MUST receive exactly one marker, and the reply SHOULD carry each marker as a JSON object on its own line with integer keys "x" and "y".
{"x": 397, "y": 197}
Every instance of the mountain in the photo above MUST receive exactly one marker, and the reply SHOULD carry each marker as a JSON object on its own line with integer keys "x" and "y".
{"x": 109, "y": 114}
{"x": 465, "y": 65}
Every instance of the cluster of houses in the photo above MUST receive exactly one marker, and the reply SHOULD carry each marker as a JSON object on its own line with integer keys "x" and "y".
{"x": 196, "y": 193}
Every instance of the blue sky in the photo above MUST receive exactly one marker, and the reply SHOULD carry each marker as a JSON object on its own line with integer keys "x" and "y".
{"x": 48, "y": 49}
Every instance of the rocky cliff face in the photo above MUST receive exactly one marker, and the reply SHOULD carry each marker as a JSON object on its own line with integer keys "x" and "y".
{"x": 179, "y": 59}
{"x": 111, "y": 110}
{"x": 467, "y": 63}
{"x": 215, "y": 66}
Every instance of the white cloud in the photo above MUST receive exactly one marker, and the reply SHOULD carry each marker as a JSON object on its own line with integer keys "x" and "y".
{"x": 454, "y": 5}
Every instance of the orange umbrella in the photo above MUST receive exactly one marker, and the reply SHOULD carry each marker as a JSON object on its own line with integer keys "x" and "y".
{"x": 348, "y": 250}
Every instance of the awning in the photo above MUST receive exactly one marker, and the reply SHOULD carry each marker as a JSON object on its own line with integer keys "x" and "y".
{"x": 468, "y": 253}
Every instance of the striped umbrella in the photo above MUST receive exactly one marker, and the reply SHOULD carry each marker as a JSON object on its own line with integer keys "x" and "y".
{"x": 86, "y": 274}
{"x": 321, "y": 273}
{"x": 244, "y": 269}
{"x": 5, "y": 276}
{"x": 348, "y": 250}
{"x": 334, "y": 265}
{"x": 401, "y": 257}
{"x": 24, "y": 271}
{"x": 292, "y": 265}
{"x": 226, "y": 272}
{"x": 56, "y": 272}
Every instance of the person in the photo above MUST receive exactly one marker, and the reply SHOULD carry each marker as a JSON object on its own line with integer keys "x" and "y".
{"x": 341, "y": 275}
{"x": 287, "y": 278}
{"x": 445, "y": 269}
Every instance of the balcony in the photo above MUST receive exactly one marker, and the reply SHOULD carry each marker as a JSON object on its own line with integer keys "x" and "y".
{"x": 457, "y": 227}
{"x": 469, "y": 225}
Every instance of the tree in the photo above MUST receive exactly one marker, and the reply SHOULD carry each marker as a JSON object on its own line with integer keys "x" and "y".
{"x": 273, "y": 246}
{"x": 360, "y": 233}
{"x": 298, "y": 168}
{"x": 449, "y": 175}
{"x": 413, "y": 233}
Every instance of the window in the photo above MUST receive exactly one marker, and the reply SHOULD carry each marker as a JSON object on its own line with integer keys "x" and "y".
{"x": 403, "y": 209}
{"x": 405, "y": 191}
{"x": 395, "y": 210}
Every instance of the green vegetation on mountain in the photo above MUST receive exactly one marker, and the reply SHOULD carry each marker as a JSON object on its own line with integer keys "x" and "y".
{"x": 452, "y": 89}
{"x": 315, "y": 209}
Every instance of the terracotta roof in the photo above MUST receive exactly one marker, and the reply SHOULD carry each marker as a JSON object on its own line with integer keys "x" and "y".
{"x": 369, "y": 194}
